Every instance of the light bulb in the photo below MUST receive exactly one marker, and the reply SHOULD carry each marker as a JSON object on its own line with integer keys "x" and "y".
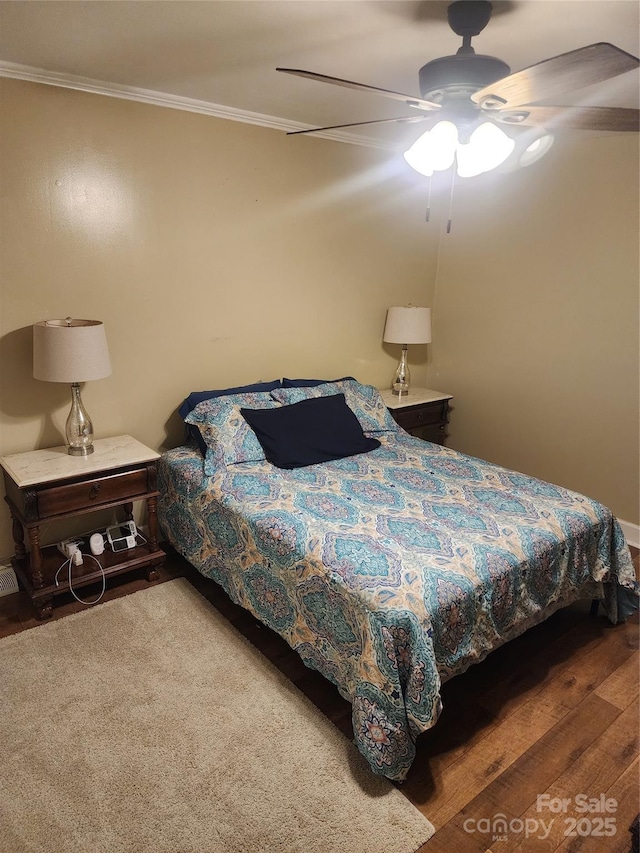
{"x": 488, "y": 147}
{"x": 435, "y": 150}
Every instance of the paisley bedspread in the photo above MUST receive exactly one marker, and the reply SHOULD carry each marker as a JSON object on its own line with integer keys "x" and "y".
{"x": 393, "y": 570}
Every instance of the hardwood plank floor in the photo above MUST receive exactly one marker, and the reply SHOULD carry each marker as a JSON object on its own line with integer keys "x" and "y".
{"x": 554, "y": 713}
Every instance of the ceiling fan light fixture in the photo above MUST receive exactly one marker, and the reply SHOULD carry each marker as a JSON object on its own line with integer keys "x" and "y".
{"x": 531, "y": 145}
{"x": 434, "y": 150}
{"x": 536, "y": 149}
{"x": 437, "y": 149}
{"x": 488, "y": 147}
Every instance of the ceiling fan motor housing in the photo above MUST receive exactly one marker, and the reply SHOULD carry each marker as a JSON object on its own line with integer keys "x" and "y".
{"x": 459, "y": 76}
{"x": 469, "y": 17}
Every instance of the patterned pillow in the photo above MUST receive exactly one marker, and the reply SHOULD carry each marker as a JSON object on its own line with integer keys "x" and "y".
{"x": 228, "y": 437}
{"x": 364, "y": 400}
{"x": 196, "y": 397}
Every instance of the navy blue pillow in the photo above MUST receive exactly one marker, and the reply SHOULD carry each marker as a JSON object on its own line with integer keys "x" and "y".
{"x": 196, "y": 397}
{"x": 309, "y": 432}
{"x": 308, "y": 383}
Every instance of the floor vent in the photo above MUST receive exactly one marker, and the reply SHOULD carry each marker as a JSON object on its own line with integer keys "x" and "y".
{"x": 8, "y": 579}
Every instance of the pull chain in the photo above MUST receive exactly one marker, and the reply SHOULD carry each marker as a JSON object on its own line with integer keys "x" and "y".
{"x": 453, "y": 181}
{"x": 428, "y": 213}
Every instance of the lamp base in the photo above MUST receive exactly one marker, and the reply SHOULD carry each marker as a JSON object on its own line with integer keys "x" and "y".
{"x": 79, "y": 429}
{"x": 400, "y": 382}
{"x": 80, "y": 451}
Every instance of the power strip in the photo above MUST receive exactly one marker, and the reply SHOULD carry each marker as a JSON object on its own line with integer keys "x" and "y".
{"x": 71, "y": 549}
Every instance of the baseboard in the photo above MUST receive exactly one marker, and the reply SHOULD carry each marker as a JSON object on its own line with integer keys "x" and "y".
{"x": 631, "y": 532}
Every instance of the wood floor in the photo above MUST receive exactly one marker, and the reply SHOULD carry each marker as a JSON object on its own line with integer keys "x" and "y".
{"x": 548, "y": 718}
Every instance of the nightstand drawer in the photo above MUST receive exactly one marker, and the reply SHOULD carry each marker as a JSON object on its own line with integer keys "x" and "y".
{"x": 409, "y": 419}
{"x": 90, "y": 493}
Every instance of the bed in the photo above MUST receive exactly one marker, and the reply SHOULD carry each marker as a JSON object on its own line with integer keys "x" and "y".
{"x": 388, "y": 570}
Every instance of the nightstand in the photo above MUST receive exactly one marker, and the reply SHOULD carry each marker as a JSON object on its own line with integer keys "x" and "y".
{"x": 422, "y": 412}
{"x": 45, "y": 486}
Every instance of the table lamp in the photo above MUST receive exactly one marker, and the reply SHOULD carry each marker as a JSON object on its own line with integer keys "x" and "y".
{"x": 72, "y": 351}
{"x": 406, "y": 325}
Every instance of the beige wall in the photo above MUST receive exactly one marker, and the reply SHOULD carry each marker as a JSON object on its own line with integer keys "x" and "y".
{"x": 536, "y": 319}
{"x": 216, "y": 253}
{"x": 219, "y": 253}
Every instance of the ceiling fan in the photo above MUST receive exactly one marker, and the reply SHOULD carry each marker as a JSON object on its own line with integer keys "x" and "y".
{"x": 467, "y": 86}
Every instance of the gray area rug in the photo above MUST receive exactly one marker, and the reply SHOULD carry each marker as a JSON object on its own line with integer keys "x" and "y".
{"x": 149, "y": 724}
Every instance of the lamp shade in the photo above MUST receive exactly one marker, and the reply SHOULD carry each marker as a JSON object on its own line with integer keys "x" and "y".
{"x": 70, "y": 351}
{"x": 407, "y": 325}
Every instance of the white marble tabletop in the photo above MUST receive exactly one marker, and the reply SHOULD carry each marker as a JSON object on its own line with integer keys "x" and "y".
{"x": 415, "y": 397}
{"x": 43, "y": 466}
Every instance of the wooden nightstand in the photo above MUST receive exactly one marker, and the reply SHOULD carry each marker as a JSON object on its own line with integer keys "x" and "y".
{"x": 44, "y": 486}
{"x": 422, "y": 412}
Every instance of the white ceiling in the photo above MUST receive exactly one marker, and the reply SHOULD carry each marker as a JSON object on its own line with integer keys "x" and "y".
{"x": 225, "y": 52}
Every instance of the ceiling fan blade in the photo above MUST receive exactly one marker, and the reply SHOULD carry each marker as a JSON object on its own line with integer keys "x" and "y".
{"x": 576, "y": 118}
{"x": 407, "y": 119}
{"x": 594, "y": 63}
{"x": 418, "y": 103}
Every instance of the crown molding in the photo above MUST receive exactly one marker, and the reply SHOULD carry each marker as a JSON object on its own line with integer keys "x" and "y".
{"x": 176, "y": 102}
